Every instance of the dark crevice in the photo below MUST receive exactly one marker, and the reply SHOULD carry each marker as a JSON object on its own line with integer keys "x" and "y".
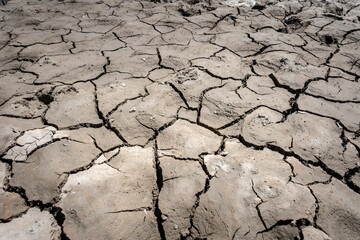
{"x": 201, "y": 98}
{"x": 6, "y": 220}
{"x": 158, "y": 131}
{"x": 204, "y": 167}
{"x": 329, "y": 117}
{"x": 330, "y": 100}
{"x": 140, "y": 209}
{"x": 177, "y": 157}
{"x": 232, "y": 123}
{"x": 349, "y": 32}
{"x": 331, "y": 56}
{"x": 260, "y": 51}
{"x": 156, "y": 193}
{"x": 254, "y": 63}
{"x": 160, "y": 61}
{"x": 317, "y": 209}
{"x": 85, "y": 167}
{"x": 357, "y": 76}
{"x": 327, "y": 169}
{"x": 16, "y": 116}
{"x": 180, "y": 94}
{"x": 83, "y": 125}
{"x": 348, "y": 179}
{"x": 219, "y": 20}
{"x": 104, "y": 119}
{"x": 279, "y": 85}
{"x": 240, "y": 118}
{"x": 193, "y": 210}
{"x": 55, "y": 211}
{"x": 292, "y": 169}
{"x": 278, "y": 223}
{"x": 248, "y": 144}
{"x": 44, "y": 97}
{"x": 60, "y": 219}
{"x": 318, "y": 163}
{"x": 214, "y": 75}
{"x": 222, "y": 146}
{"x": 258, "y": 205}
{"x": 259, "y": 7}
{"x": 121, "y": 104}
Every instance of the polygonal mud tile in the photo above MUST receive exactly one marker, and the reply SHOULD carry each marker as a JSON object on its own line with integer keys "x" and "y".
{"x": 347, "y": 58}
{"x": 347, "y": 113}
{"x": 121, "y": 193}
{"x": 102, "y": 137}
{"x": 29, "y": 36}
{"x": 178, "y": 57}
{"x": 11, "y": 128}
{"x": 33, "y": 225}
{"x": 187, "y": 140}
{"x": 14, "y": 82}
{"x": 182, "y": 180}
{"x": 312, "y": 233}
{"x": 126, "y": 60}
{"x": 68, "y": 68}
{"x": 180, "y": 36}
{"x": 99, "y": 25}
{"x": 335, "y": 89}
{"x": 137, "y": 120}
{"x": 238, "y": 42}
{"x": 289, "y": 69}
{"x": 37, "y": 51}
{"x": 94, "y": 42}
{"x": 59, "y": 20}
{"x": 8, "y": 54}
{"x": 223, "y": 105}
{"x": 225, "y": 64}
{"x": 44, "y": 171}
{"x": 11, "y": 205}
{"x": 115, "y": 88}
{"x": 309, "y": 136}
{"x": 281, "y": 232}
{"x": 258, "y": 178}
{"x": 339, "y": 214}
{"x": 73, "y": 105}
{"x": 306, "y": 174}
{"x": 26, "y": 106}
{"x": 191, "y": 82}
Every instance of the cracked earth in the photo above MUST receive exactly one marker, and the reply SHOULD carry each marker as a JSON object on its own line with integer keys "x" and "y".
{"x": 183, "y": 120}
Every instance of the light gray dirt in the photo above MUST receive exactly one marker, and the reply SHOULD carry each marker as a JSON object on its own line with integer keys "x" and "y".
{"x": 179, "y": 119}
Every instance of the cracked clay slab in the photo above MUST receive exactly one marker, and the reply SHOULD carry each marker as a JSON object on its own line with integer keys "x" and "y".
{"x": 34, "y": 224}
{"x": 122, "y": 208}
{"x": 179, "y": 119}
{"x": 248, "y": 201}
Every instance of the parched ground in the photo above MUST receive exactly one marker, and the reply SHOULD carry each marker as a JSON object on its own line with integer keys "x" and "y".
{"x": 187, "y": 119}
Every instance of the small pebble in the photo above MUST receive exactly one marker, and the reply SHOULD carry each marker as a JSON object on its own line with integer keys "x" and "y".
{"x": 223, "y": 154}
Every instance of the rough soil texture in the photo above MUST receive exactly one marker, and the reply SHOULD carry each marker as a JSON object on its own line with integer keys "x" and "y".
{"x": 183, "y": 120}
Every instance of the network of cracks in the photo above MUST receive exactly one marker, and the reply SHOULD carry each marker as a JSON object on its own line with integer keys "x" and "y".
{"x": 185, "y": 119}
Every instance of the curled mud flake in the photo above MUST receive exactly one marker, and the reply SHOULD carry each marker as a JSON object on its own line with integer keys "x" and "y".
{"x": 29, "y": 142}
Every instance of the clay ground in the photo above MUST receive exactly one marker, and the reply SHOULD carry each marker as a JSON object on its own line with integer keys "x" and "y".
{"x": 193, "y": 119}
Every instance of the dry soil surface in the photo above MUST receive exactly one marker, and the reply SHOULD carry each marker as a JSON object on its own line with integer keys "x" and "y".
{"x": 187, "y": 119}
